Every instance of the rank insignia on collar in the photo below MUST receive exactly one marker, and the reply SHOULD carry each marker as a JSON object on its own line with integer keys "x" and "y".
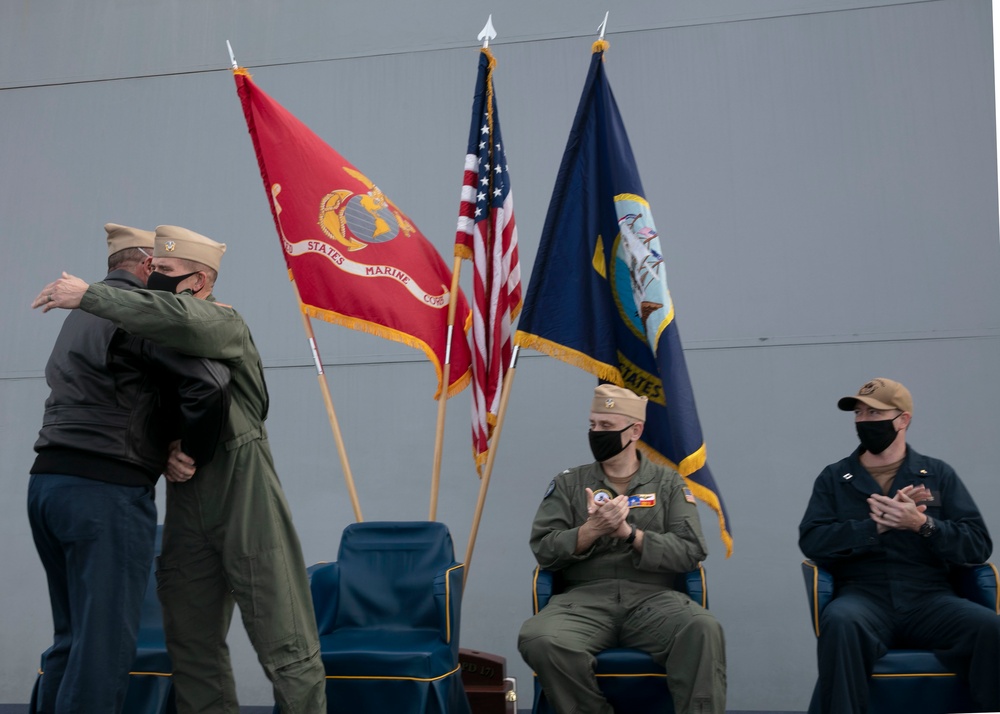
{"x": 847, "y": 477}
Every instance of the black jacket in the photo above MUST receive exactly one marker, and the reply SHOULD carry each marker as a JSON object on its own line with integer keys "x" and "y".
{"x": 117, "y": 401}
{"x": 839, "y": 535}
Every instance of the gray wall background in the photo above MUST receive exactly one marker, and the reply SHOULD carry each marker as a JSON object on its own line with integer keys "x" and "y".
{"x": 823, "y": 173}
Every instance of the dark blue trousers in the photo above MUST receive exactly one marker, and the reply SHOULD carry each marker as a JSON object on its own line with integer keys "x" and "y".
{"x": 96, "y": 542}
{"x": 860, "y": 625}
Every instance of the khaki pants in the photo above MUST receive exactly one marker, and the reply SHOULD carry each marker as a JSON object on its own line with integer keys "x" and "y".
{"x": 229, "y": 539}
{"x": 559, "y": 643}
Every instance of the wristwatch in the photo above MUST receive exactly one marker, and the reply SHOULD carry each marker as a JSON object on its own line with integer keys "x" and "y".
{"x": 929, "y": 528}
{"x": 631, "y": 536}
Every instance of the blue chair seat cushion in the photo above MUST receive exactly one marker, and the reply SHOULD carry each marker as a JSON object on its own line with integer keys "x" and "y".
{"x": 627, "y": 661}
{"x": 151, "y": 660}
{"x": 909, "y": 663}
{"x": 386, "y": 653}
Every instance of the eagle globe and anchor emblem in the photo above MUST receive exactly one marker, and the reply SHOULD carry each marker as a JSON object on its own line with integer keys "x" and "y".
{"x": 357, "y": 220}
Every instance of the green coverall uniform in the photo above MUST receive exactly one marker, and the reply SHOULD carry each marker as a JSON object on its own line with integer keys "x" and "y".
{"x": 228, "y": 531}
{"x": 614, "y": 596}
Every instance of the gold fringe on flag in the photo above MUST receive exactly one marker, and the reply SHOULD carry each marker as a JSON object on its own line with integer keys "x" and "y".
{"x": 388, "y": 333}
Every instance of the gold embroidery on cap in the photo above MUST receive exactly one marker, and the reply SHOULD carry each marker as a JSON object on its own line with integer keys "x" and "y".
{"x": 869, "y": 388}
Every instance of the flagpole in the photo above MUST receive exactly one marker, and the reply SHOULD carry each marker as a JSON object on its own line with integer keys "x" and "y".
{"x": 324, "y": 389}
{"x": 443, "y": 398}
{"x": 485, "y": 35}
{"x": 484, "y": 484}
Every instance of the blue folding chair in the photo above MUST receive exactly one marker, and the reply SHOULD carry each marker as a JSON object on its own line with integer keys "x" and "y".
{"x": 906, "y": 680}
{"x": 629, "y": 679}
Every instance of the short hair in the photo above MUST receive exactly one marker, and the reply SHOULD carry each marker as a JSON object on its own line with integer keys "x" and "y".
{"x": 192, "y": 266}
{"x": 125, "y": 259}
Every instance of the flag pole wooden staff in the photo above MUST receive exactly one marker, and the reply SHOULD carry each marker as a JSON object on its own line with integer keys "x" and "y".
{"x": 484, "y": 484}
{"x": 321, "y": 375}
{"x": 485, "y": 35}
{"x": 324, "y": 389}
{"x": 443, "y": 397}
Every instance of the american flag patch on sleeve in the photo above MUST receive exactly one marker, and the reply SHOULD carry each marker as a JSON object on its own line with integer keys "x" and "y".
{"x": 688, "y": 496}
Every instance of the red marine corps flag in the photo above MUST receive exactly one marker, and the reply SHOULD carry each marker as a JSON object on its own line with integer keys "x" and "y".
{"x": 356, "y": 259}
{"x": 487, "y": 235}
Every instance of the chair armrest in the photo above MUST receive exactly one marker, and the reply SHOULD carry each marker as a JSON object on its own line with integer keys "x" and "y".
{"x": 819, "y": 590}
{"x": 979, "y": 584}
{"x": 448, "y": 585}
{"x": 693, "y": 584}
{"x": 542, "y": 584}
{"x": 324, "y": 586}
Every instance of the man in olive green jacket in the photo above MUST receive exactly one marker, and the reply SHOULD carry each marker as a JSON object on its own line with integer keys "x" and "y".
{"x": 618, "y": 531}
{"x": 228, "y": 533}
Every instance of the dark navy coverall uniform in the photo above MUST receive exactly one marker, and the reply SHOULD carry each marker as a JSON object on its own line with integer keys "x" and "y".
{"x": 893, "y": 589}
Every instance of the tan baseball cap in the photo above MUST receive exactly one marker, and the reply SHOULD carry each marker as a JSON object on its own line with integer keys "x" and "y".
{"x": 122, "y": 237}
{"x": 611, "y": 399}
{"x": 880, "y": 393}
{"x": 177, "y": 242}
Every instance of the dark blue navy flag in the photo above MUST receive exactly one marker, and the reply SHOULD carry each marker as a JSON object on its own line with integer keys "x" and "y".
{"x": 598, "y": 295}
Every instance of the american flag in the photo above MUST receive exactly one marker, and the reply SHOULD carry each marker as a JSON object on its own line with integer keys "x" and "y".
{"x": 487, "y": 236}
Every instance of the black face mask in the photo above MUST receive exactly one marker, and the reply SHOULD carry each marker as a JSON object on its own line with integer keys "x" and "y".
{"x": 166, "y": 283}
{"x": 876, "y": 436}
{"x": 607, "y": 444}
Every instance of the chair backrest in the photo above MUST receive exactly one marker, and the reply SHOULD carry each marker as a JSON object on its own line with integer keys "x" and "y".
{"x": 546, "y": 583}
{"x": 976, "y": 582}
{"x": 387, "y": 571}
{"x": 979, "y": 584}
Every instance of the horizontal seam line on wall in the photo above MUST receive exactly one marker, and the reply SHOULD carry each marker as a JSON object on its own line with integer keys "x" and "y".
{"x": 697, "y": 346}
{"x": 447, "y": 47}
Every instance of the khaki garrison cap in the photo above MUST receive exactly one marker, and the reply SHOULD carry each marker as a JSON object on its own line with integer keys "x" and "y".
{"x": 177, "y": 242}
{"x": 122, "y": 237}
{"x": 880, "y": 393}
{"x": 609, "y": 399}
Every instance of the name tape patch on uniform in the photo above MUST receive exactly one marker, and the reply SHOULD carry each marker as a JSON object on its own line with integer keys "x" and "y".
{"x": 642, "y": 500}
{"x": 688, "y": 496}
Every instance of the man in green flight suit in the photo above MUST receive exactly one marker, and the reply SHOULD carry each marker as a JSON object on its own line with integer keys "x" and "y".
{"x": 618, "y": 531}
{"x": 228, "y": 534}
